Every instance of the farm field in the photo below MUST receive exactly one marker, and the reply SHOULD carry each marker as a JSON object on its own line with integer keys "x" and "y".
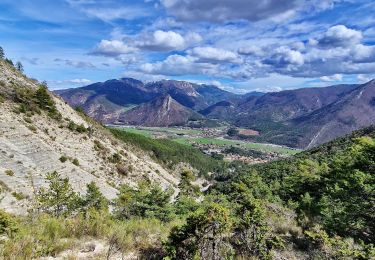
{"x": 207, "y": 137}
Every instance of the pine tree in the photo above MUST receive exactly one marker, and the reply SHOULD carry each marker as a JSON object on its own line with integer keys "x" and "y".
{"x": 94, "y": 198}
{"x": 2, "y": 55}
{"x": 59, "y": 199}
{"x": 19, "y": 66}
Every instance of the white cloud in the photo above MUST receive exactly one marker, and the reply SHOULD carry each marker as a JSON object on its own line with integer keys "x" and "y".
{"x": 335, "y": 77}
{"x": 162, "y": 41}
{"x": 285, "y": 57}
{"x": 175, "y": 65}
{"x": 214, "y": 55}
{"x": 112, "y": 48}
{"x": 340, "y": 36}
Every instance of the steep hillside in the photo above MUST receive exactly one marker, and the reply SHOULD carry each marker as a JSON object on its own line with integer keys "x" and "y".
{"x": 162, "y": 111}
{"x": 285, "y": 105}
{"x": 351, "y": 112}
{"x": 40, "y": 134}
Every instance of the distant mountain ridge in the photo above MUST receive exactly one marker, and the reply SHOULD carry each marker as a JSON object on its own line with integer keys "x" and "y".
{"x": 300, "y": 118}
{"x": 108, "y": 101}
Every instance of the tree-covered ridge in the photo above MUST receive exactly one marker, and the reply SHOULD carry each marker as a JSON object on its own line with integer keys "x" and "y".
{"x": 171, "y": 153}
{"x": 331, "y": 188}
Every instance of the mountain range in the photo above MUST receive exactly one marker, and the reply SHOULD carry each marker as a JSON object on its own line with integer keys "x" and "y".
{"x": 300, "y": 118}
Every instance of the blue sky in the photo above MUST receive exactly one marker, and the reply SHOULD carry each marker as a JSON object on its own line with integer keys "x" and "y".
{"x": 239, "y": 45}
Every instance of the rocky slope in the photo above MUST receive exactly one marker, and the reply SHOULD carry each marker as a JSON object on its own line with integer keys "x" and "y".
{"x": 162, "y": 111}
{"x": 33, "y": 143}
{"x": 353, "y": 111}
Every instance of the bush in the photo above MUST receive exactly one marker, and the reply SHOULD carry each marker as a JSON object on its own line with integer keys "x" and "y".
{"x": 8, "y": 223}
{"x": 18, "y": 195}
{"x": 9, "y": 172}
{"x": 63, "y": 158}
{"x": 75, "y": 162}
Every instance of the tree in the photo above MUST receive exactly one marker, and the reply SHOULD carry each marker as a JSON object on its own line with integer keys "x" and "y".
{"x": 252, "y": 236}
{"x": 148, "y": 200}
{"x": 19, "y": 66}
{"x": 2, "y": 55}
{"x": 186, "y": 187}
{"x": 9, "y": 61}
{"x": 232, "y": 131}
{"x": 204, "y": 236}
{"x": 59, "y": 199}
{"x": 94, "y": 199}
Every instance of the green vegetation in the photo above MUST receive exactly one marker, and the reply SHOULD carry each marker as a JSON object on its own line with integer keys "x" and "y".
{"x": 2, "y": 54}
{"x": 18, "y": 195}
{"x": 63, "y": 158}
{"x": 9, "y": 172}
{"x": 77, "y": 128}
{"x": 316, "y": 205}
{"x": 31, "y": 101}
{"x": 247, "y": 145}
{"x": 75, "y": 162}
{"x": 169, "y": 152}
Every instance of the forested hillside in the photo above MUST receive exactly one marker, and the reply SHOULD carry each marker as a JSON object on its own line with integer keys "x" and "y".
{"x": 316, "y": 205}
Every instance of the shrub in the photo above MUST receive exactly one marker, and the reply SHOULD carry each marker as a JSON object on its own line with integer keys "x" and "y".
{"x": 27, "y": 120}
{"x": 63, "y": 158}
{"x": 8, "y": 223}
{"x": 9, "y": 172}
{"x": 32, "y": 128}
{"x": 18, "y": 195}
{"x": 115, "y": 158}
{"x": 75, "y": 162}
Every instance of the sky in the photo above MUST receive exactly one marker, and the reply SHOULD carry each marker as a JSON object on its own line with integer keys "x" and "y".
{"x": 237, "y": 45}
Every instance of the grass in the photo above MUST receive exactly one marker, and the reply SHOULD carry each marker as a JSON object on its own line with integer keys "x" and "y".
{"x": 254, "y": 146}
{"x": 138, "y": 131}
{"x": 172, "y": 132}
{"x": 153, "y": 131}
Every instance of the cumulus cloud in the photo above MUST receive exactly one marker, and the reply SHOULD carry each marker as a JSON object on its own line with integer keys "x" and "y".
{"x": 224, "y": 10}
{"x": 340, "y": 36}
{"x": 213, "y": 55}
{"x": 285, "y": 57}
{"x": 335, "y": 77}
{"x": 158, "y": 41}
{"x": 175, "y": 65}
{"x": 112, "y": 48}
{"x": 162, "y": 41}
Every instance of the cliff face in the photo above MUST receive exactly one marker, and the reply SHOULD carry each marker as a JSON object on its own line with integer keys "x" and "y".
{"x": 162, "y": 111}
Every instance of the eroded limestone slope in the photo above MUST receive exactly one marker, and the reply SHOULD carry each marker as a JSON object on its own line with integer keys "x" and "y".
{"x": 32, "y": 145}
